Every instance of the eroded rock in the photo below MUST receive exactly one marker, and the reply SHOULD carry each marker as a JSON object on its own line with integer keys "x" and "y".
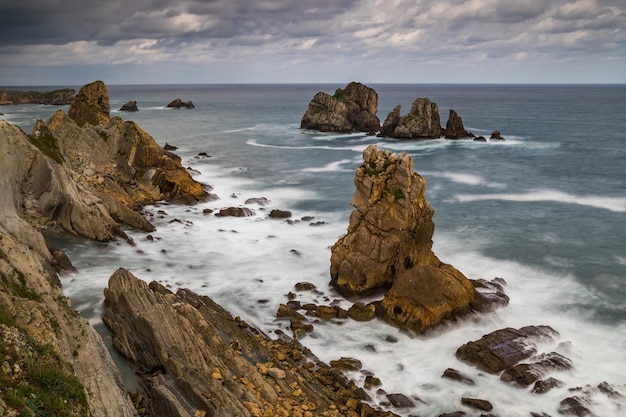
{"x": 389, "y": 247}
{"x": 421, "y": 122}
{"x": 352, "y": 109}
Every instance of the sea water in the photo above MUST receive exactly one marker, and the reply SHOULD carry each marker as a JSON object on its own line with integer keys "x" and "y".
{"x": 545, "y": 210}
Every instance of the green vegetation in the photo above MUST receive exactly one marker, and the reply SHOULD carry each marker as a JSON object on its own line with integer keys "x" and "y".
{"x": 44, "y": 384}
{"x": 47, "y": 143}
{"x": 339, "y": 94}
{"x": 20, "y": 288}
{"x": 103, "y": 135}
{"x": 6, "y": 319}
{"x": 398, "y": 194}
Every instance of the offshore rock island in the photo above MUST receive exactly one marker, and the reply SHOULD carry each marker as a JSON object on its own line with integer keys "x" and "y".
{"x": 88, "y": 174}
{"x": 354, "y": 109}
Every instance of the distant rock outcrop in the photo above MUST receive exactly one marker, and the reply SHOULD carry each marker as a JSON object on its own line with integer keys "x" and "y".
{"x": 178, "y": 103}
{"x": 455, "y": 128}
{"x": 389, "y": 247}
{"x": 352, "y": 109}
{"x": 56, "y": 97}
{"x": 197, "y": 360}
{"x": 130, "y": 105}
{"x": 422, "y": 121}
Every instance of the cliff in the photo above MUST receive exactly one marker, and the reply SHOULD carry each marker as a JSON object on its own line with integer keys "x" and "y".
{"x": 352, "y": 109}
{"x": 388, "y": 247}
{"x": 87, "y": 179}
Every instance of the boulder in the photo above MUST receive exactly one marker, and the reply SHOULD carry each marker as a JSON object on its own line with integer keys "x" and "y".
{"x": 455, "y": 128}
{"x": 498, "y": 350}
{"x": 209, "y": 363}
{"x": 279, "y": 214}
{"x": 235, "y": 212}
{"x": 388, "y": 246}
{"x": 130, "y": 105}
{"x": 422, "y": 121}
{"x": 352, "y": 109}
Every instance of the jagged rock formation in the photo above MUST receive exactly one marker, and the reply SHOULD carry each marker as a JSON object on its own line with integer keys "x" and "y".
{"x": 91, "y": 105}
{"x": 352, "y": 109}
{"x": 56, "y": 97}
{"x": 114, "y": 157}
{"x": 422, "y": 121}
{"x": 198, "y": 360}
{"x": 455, "y": 128}
{"x": 389, "y": 247}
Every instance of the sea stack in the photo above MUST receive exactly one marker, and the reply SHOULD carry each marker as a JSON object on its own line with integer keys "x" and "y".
{"x": 388, "y": 247}
{"x": 351, "y": 109}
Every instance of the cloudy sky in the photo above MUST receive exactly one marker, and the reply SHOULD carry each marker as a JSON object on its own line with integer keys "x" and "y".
{"x": 73, "y": 42}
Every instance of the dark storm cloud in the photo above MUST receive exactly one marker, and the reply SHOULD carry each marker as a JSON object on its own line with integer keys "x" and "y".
{"x": 293, "y": 32}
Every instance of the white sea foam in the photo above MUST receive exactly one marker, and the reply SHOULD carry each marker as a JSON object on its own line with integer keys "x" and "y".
{"x": 463, "y": 178}
{"x": 335, "y": 166}
{"x": 615, "y": 204}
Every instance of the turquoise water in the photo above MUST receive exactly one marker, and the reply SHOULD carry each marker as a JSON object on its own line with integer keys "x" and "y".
{"x": 545, "y": 210}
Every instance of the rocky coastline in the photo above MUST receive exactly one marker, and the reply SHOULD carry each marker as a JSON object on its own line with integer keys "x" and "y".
{"x": 55, "y": 97}
{"x": 88, "y": 174}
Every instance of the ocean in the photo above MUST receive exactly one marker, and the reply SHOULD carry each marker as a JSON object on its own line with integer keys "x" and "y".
{"x": 545, "y": 210}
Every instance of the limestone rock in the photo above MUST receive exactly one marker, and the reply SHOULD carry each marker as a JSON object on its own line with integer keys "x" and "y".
{"x": 188, "y": 338}
{"x": 389, "y": 246}
{"x": 91, "y": 105}
{"x": 455, "y": 128}
{"x": 422, "y": 121}
{"x": 352, "y": 109}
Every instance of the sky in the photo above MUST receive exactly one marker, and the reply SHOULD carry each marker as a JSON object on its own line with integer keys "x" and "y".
{"x": 74, "y": 42}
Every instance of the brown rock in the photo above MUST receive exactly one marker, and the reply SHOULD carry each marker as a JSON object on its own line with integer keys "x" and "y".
{"x": 347, "y": 364}
{"x": 498, "y": 350}
{"x": 478, "y": 404}
{"x": 422, "y": 121}
{"x": 457, "y": 376}
{"x": 545, "y": 385}
{"x": 496, "y": 136}
{"x": 455, "y": 128}
{"x": 362, "y": 312}
{"x": 352, "y": 109}
{"x": 400, "y": 401}
{"x": 279, "y": 214}
{"x": 130, "y": 105}
{"x": 91, "y": 105}
{"x": 178, "y": 103}
{"x": 389, "y": 245}
{"x": 235, "y": 212}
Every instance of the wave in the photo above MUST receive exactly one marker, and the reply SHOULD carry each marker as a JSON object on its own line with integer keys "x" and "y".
{"x": 464, "y": 178}
{"x": 614, "y": 204}
{"x": 355, "y": 148}
{"x": 332, "y": 167}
